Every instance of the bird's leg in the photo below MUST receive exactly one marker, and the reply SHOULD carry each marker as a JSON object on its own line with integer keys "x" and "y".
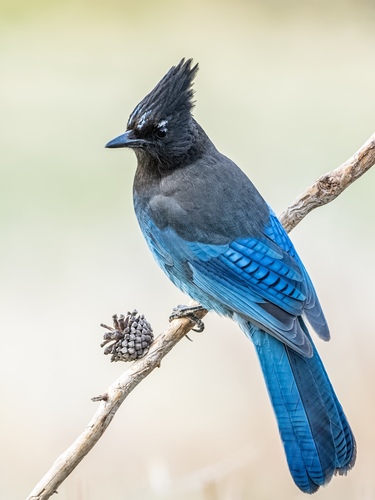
{"x": 189, "y": 312}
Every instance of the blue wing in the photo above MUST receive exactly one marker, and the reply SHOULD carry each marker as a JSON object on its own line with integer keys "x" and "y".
{"x": 258, "y": 279}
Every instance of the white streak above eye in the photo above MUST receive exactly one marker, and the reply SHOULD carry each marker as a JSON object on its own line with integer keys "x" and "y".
{"x": 162, "y": 125}
{"x": 143, "y": 119}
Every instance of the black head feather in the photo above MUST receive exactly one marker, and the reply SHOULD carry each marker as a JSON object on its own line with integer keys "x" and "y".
{"x": 161, "y": 129}
{"x": 162, "y": 124}
{"x": 171, "y": 98}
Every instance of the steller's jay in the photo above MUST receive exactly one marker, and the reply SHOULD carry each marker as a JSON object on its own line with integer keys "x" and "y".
{"x": 216, "y": 238}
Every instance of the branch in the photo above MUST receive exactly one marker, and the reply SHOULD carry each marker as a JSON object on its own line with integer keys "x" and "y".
{"x": 110, "y": 403}
{"x": 324, "y": 190}
{"x": 329, "y": 186}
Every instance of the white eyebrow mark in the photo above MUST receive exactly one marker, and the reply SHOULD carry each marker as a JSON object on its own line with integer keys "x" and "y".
{"x": 162, "y": 125}
{"x": 143, "y": 119}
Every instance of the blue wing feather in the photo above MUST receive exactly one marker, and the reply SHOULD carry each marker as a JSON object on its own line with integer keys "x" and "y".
{"x": 312, "y": 307}
{"x": 254, "y": 277}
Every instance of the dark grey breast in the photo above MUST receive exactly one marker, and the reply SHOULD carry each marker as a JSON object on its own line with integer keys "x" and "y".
{"x": 209, "y": 200}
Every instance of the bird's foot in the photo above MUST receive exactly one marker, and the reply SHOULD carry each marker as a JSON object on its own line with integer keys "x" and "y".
{"x": 190, "y": 313}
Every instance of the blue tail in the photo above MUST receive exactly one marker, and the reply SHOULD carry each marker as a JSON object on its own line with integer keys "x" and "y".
{"x": 317, "y": 438}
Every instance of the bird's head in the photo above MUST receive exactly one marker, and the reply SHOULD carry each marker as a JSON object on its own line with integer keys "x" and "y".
{"x": 161, "y": 127}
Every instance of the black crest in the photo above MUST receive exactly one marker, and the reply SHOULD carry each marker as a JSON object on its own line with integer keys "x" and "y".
{"x": 172, "y": 96}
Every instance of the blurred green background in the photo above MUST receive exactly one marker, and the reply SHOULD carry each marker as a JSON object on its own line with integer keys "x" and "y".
{"x": 286, "y": 89}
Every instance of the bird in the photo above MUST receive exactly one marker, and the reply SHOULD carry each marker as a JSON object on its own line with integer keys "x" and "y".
{"x": 218, "y": 241}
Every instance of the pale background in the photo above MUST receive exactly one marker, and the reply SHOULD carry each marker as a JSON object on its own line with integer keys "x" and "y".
{"x": 286, "y": 89}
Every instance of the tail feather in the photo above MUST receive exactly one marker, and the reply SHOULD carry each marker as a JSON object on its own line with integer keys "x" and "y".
{"x": 317, "y": 438}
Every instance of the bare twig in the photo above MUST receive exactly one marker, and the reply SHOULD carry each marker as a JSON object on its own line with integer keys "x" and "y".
{"x": 329, "y": 186}
{"x": 324, "y": 190}
{"x": 111, "y": 400}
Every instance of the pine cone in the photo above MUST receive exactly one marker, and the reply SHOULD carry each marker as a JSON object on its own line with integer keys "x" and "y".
{"x": 131, "y": 337}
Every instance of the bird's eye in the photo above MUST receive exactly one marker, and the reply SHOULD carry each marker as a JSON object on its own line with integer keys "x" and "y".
{"x": 161, "y": 133}
{"x": 161, "y": 129}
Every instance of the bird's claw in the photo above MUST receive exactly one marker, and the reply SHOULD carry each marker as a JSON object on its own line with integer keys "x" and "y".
{"x": 190, "y": 313}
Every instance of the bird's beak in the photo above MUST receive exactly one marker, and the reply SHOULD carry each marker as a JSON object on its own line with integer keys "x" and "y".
{"x": 126, "y": 140}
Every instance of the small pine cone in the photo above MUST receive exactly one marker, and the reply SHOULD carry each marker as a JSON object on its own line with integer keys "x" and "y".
{"x": 129, "y": 339}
